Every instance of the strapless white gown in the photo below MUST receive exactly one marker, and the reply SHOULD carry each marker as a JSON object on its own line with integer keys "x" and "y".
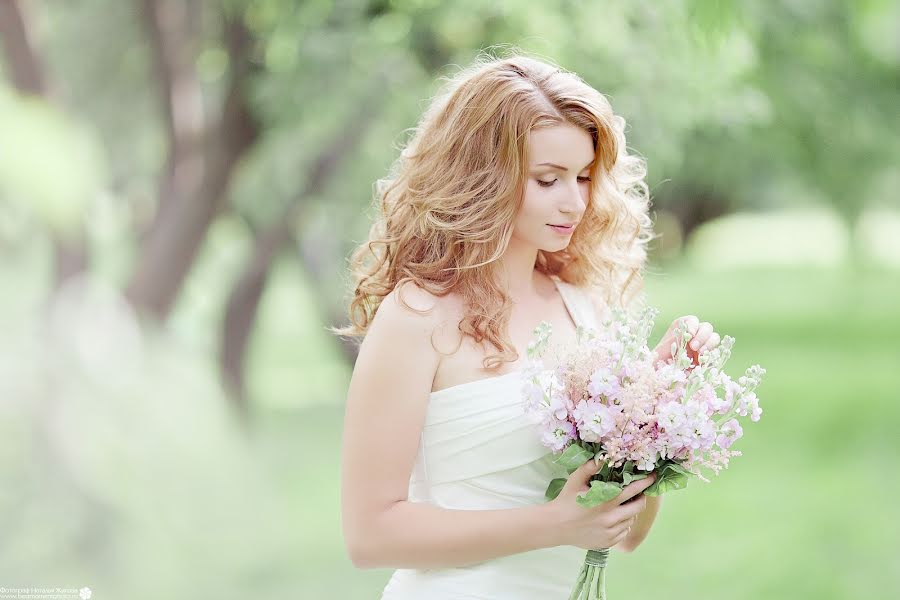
{"x": 478, "y": 451}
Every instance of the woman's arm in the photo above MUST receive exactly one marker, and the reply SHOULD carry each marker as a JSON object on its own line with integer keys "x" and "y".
{"x": 416, "y": 535}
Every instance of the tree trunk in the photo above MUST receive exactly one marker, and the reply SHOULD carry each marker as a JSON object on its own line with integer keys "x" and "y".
{"x": 173, "y": 32}
{"x": 197, "y": 186}
{"x": 694, "y": 208}
{"x": 25, "y": 68}
{"x": 243, "y": 301}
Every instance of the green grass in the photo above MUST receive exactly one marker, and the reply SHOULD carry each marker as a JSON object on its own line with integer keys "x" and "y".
{"x": 808, "y": 511}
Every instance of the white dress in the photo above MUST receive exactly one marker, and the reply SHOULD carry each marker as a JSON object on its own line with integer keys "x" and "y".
{"x": 478, "y": 451}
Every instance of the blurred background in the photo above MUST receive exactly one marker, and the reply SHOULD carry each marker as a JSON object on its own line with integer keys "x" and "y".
{"x": 182, "y": 181}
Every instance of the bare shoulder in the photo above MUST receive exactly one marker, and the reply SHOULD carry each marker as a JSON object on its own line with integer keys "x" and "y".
{"x": 410, "y": 311}
{"x": 397, "y": 348}
{"x": 408, "y": 299}
{"x": 413, "y": 313}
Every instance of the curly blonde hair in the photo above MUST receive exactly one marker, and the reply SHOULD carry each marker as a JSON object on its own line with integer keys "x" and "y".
{"x": 448, "y": 205}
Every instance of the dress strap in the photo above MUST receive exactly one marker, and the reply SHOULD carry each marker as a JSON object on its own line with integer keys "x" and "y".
{"x": 578, "y": 302}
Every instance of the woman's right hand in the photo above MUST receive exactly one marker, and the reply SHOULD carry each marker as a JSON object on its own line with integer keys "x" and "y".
{"x": 604, "y": 525}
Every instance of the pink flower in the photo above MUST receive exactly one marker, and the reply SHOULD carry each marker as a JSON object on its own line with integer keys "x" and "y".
{"x": 670, "y": 374}
{"x": 728, "y": 433}
{"x": 560, "y": 406}
{"x": 557, "y": 434}
{"x": 706, "y": 395}
{"x": 595, "y": 419}
{"x": 611, "y": 391}
{"x": 603, "y": 383}
{"x": 627, "y": 371}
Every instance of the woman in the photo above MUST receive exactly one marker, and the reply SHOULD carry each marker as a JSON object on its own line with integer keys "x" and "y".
{"x": 515, "y": 201}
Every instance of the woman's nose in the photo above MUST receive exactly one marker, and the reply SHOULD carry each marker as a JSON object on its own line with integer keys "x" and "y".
{"x": 577, "y": 201}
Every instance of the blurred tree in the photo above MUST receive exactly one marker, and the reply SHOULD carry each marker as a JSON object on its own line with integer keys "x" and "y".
{"x": 280, "y": 114}
{"x": 815, "y": 111}
{"x": 205, "y": 145}
{"x": 835, "y": 124}
{"x": 29, "y": 76}
{"x": 243, "y": 299}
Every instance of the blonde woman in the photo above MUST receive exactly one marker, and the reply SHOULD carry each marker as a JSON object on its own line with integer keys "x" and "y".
{"x": 515, "y": 201}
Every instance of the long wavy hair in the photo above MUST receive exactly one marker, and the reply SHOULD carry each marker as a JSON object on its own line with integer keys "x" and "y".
{"x": 446, "y": 210}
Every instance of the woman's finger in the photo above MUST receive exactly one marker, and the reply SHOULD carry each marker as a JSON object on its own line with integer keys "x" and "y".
{"x": 712, "y": 342}
{"x": 691, "y": 322}
{"x": 703, "y": 332}
{"x": 634, "y": 488}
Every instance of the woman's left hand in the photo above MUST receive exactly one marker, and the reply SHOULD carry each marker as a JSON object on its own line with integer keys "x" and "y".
{"x": 704, "y": 338}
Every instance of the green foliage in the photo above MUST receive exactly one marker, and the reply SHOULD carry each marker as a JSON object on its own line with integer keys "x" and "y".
{"x": 670, "y": 476}
{"x": 50, "y": 164}
{"x": 734, "y": 104}
{"x": 573, "y": 457}
{"x": 555, "y": 488}
{"x": 599, "y": 492}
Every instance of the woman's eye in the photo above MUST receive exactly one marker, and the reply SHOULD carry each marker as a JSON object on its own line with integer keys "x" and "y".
{"x": 550, "y": 183}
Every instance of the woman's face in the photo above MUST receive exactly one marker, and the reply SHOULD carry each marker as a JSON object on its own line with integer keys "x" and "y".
{"x": 556, "y": 193}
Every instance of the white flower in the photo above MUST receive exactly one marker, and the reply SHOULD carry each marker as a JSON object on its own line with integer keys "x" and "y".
{"x": 603, "y": 383}
{"x": 595, "y": 419}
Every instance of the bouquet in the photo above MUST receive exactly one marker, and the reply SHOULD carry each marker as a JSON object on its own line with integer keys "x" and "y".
{"x": 611, "y": 399}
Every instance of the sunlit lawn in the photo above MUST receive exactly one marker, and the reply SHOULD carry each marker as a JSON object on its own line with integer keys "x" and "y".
{"x": 808, "y": 512}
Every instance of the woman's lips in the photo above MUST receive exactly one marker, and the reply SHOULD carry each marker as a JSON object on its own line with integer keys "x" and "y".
{"x": 564, "y": 229}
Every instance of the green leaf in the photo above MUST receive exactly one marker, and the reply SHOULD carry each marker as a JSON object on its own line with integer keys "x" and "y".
{"x": 671, "y": 476}
{"x": 679, "y": 469}
{"x": 573, "y": 457}
{"x": 632, "y": 477}
{"x": 600, "y": 492}
{"x": 604, "y": 472}
{"x": 555, "y": 488}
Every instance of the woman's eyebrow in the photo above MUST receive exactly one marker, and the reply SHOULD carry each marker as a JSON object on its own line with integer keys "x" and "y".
{"x": 560, "y": 167}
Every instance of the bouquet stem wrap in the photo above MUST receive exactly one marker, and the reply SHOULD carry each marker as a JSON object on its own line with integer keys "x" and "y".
{"x": 591, "y": 581}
